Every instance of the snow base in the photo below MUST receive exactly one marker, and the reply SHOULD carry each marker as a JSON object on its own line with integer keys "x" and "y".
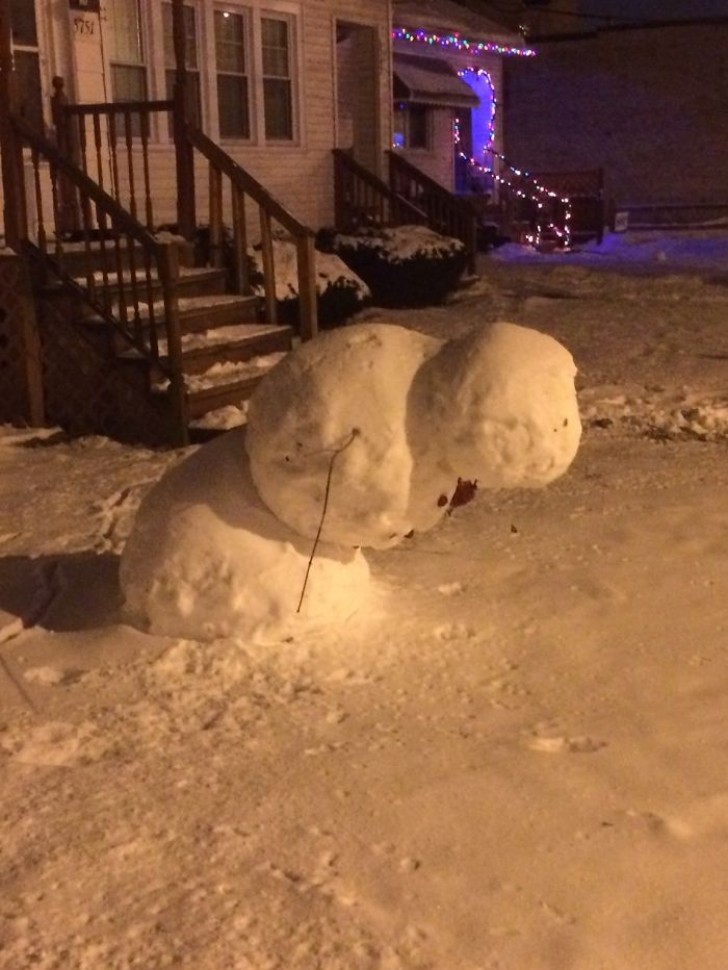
{"x": 207, "y": 559}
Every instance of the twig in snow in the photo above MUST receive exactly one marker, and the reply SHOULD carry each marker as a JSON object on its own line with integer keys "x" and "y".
{"x": 17, "y": 684}
{"x": 335, "y": 455}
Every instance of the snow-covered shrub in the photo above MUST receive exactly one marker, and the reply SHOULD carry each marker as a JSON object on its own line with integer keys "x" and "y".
{"x": 341, "y": 293}
{"x": 404, "y": 266}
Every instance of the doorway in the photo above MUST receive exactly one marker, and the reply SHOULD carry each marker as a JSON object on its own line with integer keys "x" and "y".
{"x": 357, "y": 93}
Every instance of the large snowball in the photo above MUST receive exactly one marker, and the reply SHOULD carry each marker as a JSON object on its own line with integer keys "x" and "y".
{"x": 502, "y": 405}
{"x": 346, "y": 397}
{"x": 207, "y": 559}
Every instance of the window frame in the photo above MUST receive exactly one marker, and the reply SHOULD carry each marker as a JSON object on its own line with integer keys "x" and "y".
{"x": 245, "y": 11}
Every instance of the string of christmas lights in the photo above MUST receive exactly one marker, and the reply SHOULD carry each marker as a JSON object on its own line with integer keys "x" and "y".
{"x": 457, "y": 43}
{"x": 543, "y": 198}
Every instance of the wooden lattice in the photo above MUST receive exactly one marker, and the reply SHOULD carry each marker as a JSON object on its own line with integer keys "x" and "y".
{"x": 88, "y": 390}
{"x": 20, "y": 400}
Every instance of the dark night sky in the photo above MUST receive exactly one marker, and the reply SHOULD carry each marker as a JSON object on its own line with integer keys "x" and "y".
{"x": 630, "y": 10}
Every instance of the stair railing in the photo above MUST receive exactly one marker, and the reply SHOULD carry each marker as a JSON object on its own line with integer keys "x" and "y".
{"x": 229, "y": 182}
{"x": 362, "y": 199}
{"x": 136, "y": 268}
{"x": 109, "y": 142}
{"x": 447, "y": 214}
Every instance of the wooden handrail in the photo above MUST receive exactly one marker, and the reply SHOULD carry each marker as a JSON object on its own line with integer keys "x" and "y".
{"x": 245, "y": 181}
{"x": 117, "y": 107}
{"x": 390, "y": 207}
{"x": 446, "y": 212}
{"x": 242, "y": 185}
{"x": 123, "y": 219}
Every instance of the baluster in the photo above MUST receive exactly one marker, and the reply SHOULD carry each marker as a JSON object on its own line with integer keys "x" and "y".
{"x": 241, "y": 266}
{"x": 134, "y": 288}
{"x": 149, "y": 280}
{"x": 104, "y": 261}
{"x": 215, "y": 210}
{"x": 113, "y": 151}
{"x": 307, "y": 299}
{"x": 145, "y": 123}
{"x": 168, "y": 265}
{"x": 269, "y": 270}
{"x": 38, "y": 189}
{"x": 130, "y": 161}
{"x": 119, "y": 262}
{"x": 99, "y": 150}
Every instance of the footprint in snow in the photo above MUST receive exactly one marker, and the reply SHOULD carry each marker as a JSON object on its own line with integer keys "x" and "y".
{"x": 454, "y": 631}
{"x": 561, "y": 744}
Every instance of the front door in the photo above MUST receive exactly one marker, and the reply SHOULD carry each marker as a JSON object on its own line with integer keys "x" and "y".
{"x": 357, "y": 89}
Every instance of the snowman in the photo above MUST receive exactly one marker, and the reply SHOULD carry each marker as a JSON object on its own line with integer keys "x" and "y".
{"x": 357, "y": 439}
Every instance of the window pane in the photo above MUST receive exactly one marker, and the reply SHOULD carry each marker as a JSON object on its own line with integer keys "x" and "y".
{"x": 190, "y": 36}
{"x": 278, "y": 108}
{"x": 232, "y": 98}
{"x": 22, "y": 18}
{"x": 275, "y": 47}
{"x": 124, "y": 32}
{"x": 418, "y": 126}
{"x": 230, "y": 42}
{"x": 128, "y": 83}
{"x": 31, "y": 102}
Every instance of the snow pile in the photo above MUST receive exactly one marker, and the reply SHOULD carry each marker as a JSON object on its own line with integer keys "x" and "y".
{"x": 207, "y": 559}
{"x": 359, "y": 438}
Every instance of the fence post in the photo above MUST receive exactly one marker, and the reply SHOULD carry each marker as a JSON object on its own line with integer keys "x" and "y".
{"x": 186, "y": 219}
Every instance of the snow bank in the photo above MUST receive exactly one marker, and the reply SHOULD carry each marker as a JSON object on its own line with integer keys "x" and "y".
{"x": 207, "y": 559}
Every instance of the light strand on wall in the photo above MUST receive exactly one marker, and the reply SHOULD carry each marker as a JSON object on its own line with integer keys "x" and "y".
{"x": 542, "y": 197}
{"x": 479, "y": 166}
{"x": 457, "y": 43}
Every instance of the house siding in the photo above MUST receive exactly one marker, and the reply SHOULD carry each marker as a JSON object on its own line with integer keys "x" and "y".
{"x": 299, "y": 174}
{"x": 648, "y": 105}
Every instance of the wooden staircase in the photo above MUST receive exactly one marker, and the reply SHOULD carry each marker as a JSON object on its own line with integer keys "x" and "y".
{"x": 226, "y": 347}
{"x": 141, "y": 333}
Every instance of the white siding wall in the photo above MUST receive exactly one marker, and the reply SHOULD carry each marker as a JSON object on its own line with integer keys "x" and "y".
{"x": 300, "y": 175}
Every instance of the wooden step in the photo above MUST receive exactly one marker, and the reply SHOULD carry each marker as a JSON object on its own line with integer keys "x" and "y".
{"x": 193, "y": 281}
{"x": 226, "y": 383}
{"x": 234, "y": 344}
{"x": 80, "y": 257}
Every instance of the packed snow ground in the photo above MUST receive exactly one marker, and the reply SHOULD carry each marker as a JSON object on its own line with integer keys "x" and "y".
{"x": 514, "y": 759}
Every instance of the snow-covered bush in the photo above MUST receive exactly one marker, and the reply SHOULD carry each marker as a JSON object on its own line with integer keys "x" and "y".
{"x": 404, "y": 266}
{"x": 341, "y": 293}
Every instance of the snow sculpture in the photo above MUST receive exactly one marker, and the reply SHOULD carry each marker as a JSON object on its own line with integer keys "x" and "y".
{"x": 347, "y": 394}
{"x": 207, "y": 559}
{"x": 355, "y": 439}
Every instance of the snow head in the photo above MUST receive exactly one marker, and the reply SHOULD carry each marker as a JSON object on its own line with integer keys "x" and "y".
{"x": 502, "y": 406}
{"x": 330, "y": 425}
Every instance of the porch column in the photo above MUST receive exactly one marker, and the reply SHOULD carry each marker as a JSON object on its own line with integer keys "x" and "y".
{"x": 183, "y": 149}
{"x": 10, "y": 147}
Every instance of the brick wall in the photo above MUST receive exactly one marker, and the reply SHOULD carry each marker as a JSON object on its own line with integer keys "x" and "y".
{"x": 648, "y": 105}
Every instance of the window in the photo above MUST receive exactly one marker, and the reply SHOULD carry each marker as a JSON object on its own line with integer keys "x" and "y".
{"x": 411, "y": 126}
{"x": 277, "y": 83}
{"x": 191, "y": 58}
{"x": 26, "y": 59}
{"x": 232, "y": 76}
{"x": 128, "y": 68}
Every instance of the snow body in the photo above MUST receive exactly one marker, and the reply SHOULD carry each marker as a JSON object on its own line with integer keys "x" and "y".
{"x": 207, "y": 559}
